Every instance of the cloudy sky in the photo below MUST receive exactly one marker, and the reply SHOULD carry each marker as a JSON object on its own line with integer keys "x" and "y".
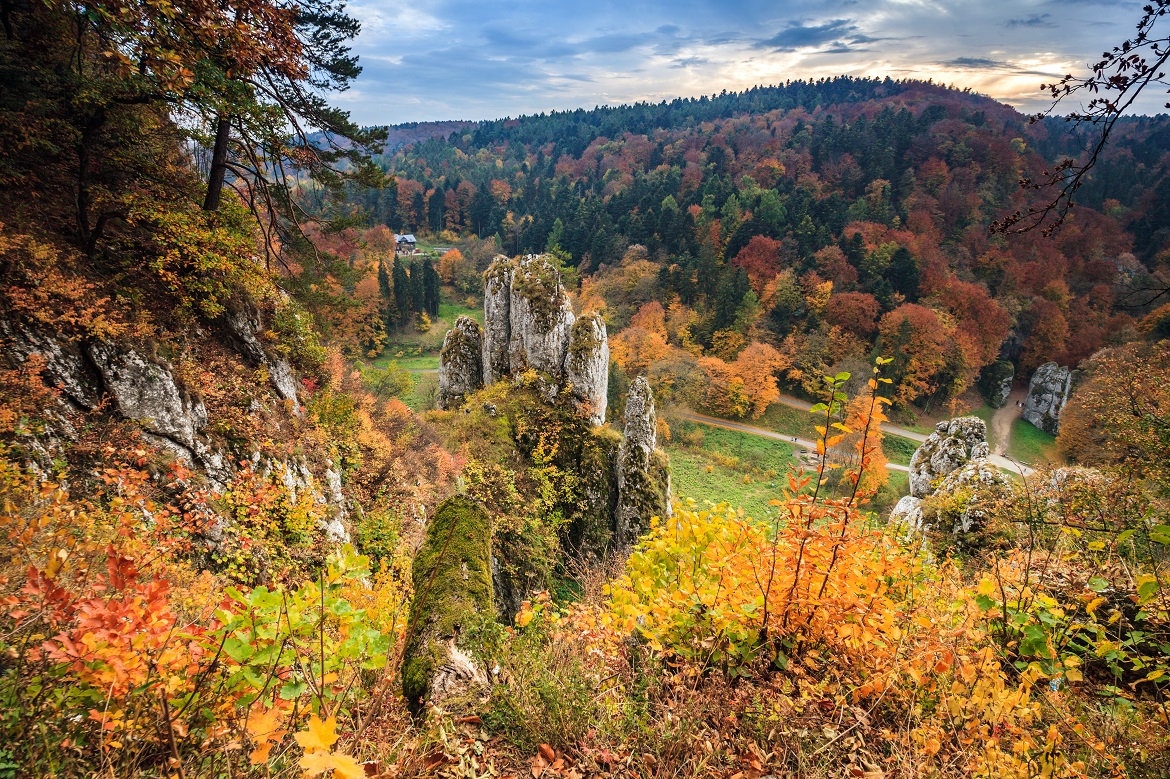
{"x": 480, "y": 59}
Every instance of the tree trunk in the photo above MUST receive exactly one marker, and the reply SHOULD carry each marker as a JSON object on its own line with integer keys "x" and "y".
{"x": 218, "y": 164}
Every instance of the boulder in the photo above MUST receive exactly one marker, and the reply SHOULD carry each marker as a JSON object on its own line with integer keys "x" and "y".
{"x": 1047, "y": 395}
{"x": 952, "y": 444}
{"x": 952, "y": 479}
{"x": 643, "y": 477}
{"x": 907, "y": 513}
{"x": 963, "y": 498}
{"x": 452, "y": 576}
{"x": 460, "y": 363}
{"x": 587, "y": 366}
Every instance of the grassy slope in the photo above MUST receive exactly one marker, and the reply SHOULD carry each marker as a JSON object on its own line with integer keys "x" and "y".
{"x": 1030, "y": 445}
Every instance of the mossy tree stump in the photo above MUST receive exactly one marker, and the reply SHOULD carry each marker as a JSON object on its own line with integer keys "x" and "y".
{"x": 452, "y": 588}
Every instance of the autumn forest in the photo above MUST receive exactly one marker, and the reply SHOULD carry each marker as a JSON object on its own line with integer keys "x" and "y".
{"x": 814, "y": 429}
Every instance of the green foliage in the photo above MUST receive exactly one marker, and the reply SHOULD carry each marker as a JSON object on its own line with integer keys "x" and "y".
{"x": 392, "y": 381}
{"x": 311, "y": 632}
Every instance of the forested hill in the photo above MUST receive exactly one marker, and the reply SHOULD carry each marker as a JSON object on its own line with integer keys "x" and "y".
{"x": 875, "y": 195}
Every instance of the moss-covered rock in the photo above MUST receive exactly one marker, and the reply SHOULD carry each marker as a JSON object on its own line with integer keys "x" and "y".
{"x": 452, "y": 589}
{"x": 643, "y": 472}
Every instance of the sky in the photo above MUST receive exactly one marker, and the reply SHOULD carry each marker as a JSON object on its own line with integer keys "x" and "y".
{"x": 479, "y": 59}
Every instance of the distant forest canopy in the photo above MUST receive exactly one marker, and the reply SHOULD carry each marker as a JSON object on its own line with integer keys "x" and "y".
{"x": 873, "y": 194}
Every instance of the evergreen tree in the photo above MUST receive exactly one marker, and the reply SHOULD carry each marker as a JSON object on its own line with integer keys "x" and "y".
{"x": 430, "y": 284}
{"x": 402, "y": 294}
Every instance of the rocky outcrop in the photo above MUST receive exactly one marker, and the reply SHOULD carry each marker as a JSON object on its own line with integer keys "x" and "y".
{"x": 643, "y": 477}
{"x": 146, "y": 391}
{"x": 995, "y": 382}
{"x": 540, "y": 318}
{"x": 529, "y": 324}
{"x": 497, "y": 320}
{"x": 135, "y": 384}
{"x": 587, "y": 366}
{"x": 1047, "y": 394}
{"x": 242, "y": 322}
{"x": 951, "y": 479}
{"x": 452, "y": 576}
{"x": 460, "y": 363}
{"x": 952, "y": 444}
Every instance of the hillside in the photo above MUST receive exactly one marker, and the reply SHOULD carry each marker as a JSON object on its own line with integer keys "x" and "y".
{"x": 242, "y": 540}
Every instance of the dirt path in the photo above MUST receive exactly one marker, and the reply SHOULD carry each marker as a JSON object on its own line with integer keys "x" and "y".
{"x": 1002, "y": 419}
{"x": 803, "y": 443}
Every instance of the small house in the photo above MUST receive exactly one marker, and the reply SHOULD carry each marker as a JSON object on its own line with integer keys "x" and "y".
{"x": 405, "y": 244}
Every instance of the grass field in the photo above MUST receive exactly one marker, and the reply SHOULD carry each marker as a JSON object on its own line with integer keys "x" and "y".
{"x": 1031, "y": 445}
{"x": 787, "y": 420}
{"x": 695, "y": 475}
{"x": 898, "y": 450}
{"x": 406, "y": 344}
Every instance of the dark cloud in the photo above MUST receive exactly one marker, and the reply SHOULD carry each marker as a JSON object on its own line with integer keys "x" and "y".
{"x": 689, "y": 62}
{"x": 1035, "y": 20}
{"x": 798, "y": 35}
{"x": 976, "y": 63}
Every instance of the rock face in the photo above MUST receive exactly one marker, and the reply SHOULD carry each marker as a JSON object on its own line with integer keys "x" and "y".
{"x": 643, "y": 479}
{"x": 1047, "y": 394}
{"x": 587, "y": 366}
{"x": 147, "y": 390}
{"x": 460, "y": 363}
{"x": 529, "y": 324}
{"x": 951, "y": 478}
{"x": 243, "y": 323}
{"x": 948, "y": 448}
{"x": 452, "y": 576}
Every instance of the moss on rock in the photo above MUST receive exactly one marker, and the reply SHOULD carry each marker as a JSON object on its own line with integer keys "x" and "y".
{"x": 452, "y": 588}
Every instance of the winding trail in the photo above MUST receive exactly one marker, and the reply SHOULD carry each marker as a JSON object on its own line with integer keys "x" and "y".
{"x": 1002, "y": 420}
{"x": 999, "y": 461}
{"x": 803, "y": 443}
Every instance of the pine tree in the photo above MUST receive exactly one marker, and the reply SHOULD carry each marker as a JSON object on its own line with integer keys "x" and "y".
{"x": 402, "y": 294}
{"x": 430, "y": 284}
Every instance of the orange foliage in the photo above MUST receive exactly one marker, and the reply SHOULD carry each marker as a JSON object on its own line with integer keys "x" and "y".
{"x": 747, "y": 386}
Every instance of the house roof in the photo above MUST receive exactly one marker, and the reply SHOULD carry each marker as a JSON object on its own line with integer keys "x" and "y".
{"x": 407, "y": 238}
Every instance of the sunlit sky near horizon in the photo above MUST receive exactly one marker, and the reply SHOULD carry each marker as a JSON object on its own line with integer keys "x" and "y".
{"x": 458, "y": 59}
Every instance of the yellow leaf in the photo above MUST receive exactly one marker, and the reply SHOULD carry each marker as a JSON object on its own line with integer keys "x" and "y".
{"x": 342, "y": 765}
{"x": 986, "y": 586}
{"x": 320, "y": 735}
{"x": 932, "y": 746}
{"x": 1073, "y": 674}
{"x": 315, "y": 763}
{"x": 1093, "y": 604}
{"x": 345, "y": 767}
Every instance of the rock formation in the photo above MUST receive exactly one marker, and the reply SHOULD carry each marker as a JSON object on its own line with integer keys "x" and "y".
{"x": 951, "y": 478}
{"x": 952, "y": 444}
{"x": 587, "y": 366}
{"x": 643, "y": 477}
{"x": 540, "y": 318}
{"x": 995, "y": 381}
{"x": 460, "y": 363}
{"x": 529, "y": 324}
{"x": 1047, "y": 394}
{"x": 144, "y": 388}
{"x": 497, "y": 321}
{"x": 452, "y": 576}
